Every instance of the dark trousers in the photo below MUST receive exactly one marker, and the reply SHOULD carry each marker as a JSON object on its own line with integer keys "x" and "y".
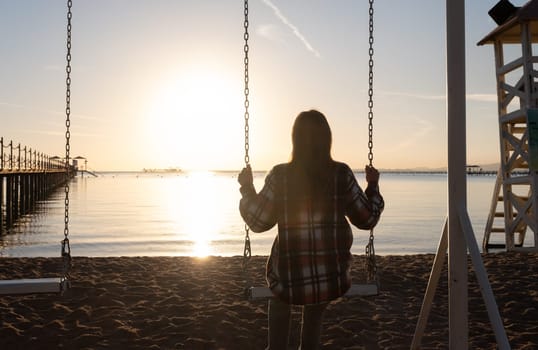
{"x": 279, "y": 325}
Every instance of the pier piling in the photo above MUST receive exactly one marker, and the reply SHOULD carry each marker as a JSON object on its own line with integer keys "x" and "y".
{"x": 27, "y": 176}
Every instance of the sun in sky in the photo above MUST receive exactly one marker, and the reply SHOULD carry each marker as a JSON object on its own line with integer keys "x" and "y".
{"x": 196, "y": 115}
{"x": 160, "y": 83}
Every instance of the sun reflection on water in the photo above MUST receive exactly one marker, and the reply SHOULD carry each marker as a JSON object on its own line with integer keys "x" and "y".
{"x": 197, "y": 207}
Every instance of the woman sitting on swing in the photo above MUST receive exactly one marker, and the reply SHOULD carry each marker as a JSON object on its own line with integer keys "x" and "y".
{"x": 309, "y": 198}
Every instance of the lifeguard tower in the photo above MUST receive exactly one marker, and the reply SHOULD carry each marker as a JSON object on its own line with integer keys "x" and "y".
{"x": 516, "y": 186}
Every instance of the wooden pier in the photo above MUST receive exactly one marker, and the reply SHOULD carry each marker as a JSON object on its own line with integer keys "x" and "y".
{"x": 26, "y": 176}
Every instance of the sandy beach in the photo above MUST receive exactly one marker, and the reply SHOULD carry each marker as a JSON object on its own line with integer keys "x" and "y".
{"x": 191, "y": 303}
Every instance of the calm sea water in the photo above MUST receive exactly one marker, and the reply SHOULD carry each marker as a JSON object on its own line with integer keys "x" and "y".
{"x": 196, "y": 214}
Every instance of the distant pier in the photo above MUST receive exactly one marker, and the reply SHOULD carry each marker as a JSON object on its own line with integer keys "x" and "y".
{"x": 27, "y": 176}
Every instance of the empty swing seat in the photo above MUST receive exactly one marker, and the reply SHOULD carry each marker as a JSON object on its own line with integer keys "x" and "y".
{"x": 34, "y": 285}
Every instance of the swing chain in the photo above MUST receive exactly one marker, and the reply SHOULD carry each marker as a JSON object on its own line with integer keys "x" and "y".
{"x": 246, "y": 89}
{"x": 246, "y": 251}
{"x": 371, "y": 83}
{"x": 66, "y": 248}
{"x": 371, "y": 266}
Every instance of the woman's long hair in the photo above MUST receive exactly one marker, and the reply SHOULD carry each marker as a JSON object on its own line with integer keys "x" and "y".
{"x": 311, "y": 160}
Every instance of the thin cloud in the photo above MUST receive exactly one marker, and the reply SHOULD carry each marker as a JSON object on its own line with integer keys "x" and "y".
{"x": 49, "y": 111}
{"x": 53, "y": 68}
{"x": 13, "y": 105}
{"x": 482, "y": 97}
{"x": 293, "y": 28}
{"x": 422, "y": 127}
{"x": 416, "y": 96}
{"x": 470, "y": 97}
{"x": 271, "y": 32}
{"x": 45, "y": 132}
{"x": 61, "y": 134}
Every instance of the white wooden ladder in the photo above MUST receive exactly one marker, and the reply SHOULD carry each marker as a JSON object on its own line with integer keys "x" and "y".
{"x": 496, "y": 222}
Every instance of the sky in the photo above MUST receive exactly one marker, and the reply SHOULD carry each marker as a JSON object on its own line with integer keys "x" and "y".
{"x": 159, "y": 83}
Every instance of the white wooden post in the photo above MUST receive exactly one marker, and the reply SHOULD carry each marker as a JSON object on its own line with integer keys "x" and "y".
{"x": 457, "y": 185}
{"x": 460, "y": 231}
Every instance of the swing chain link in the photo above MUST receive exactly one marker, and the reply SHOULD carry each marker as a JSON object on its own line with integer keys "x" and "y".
{"x": 247, "y": 253}
{"x": 66, "y": 248}
{"x": 371, "y": 265}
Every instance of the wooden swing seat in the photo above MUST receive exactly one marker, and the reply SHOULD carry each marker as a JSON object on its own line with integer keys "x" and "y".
{"x": 34, "y": 285}
{"x": 363, "y": 290}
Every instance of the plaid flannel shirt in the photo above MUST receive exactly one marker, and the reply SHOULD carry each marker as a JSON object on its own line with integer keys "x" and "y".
{"x": 310, "y": 258}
